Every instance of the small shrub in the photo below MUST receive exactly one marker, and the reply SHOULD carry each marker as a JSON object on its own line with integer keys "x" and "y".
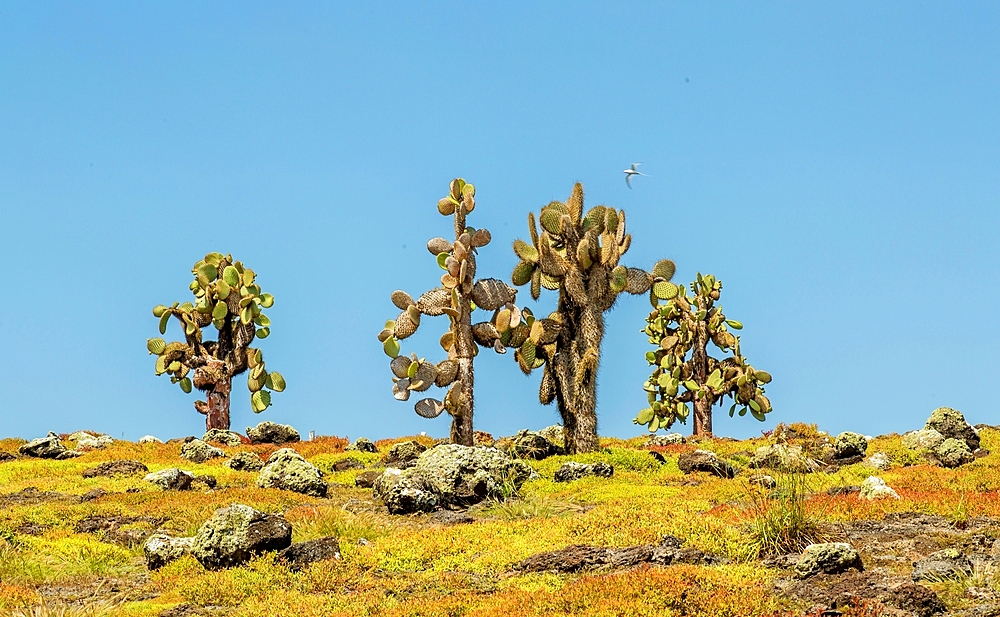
{"x": 779, "y": 522}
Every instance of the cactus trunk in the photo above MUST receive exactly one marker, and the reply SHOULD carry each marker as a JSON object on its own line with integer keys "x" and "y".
{"x": 461, "y": 424}
{"x": 576, "y": 376}
{"x": 699, "y": 369}
{"x": 218, "y": 406}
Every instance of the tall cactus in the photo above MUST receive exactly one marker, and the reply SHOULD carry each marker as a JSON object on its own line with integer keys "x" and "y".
{"x": 228, "y": 297}
{"x": 460, "y": 294}
{"x": 576, "y": 254}
{"x": 685, "y": 326}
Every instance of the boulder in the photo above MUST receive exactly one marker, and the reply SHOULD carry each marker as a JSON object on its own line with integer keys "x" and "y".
{"x": 404, "y": 494}
{"x": 529, "y": 444}
{"x": 160, "y": 549}
{"x": 574, "y": 471}
{"x": 271, "y": 432}
{"x": 784, "y": 458}
{"x": 91, "y": 442}
{"x": 951, "y": 423}
{"x": 363, "y": 444}
{"x": 879, "y": 461}
{"x": 245, "y": 461}
{"x": 947, "y": 563}
{"x": 66, "y": 454}
{"x": 828, "y": 558}
{"x": 953, "y": 453}
{"x": 77, "y": 436}
{"x": 403, "y": 455}
{"x": 6, "y": 456}
{"x": 366, "y": 479}
{"x": 670, "y": 439}
{"x": 556, "y": 436}
{"x": 348, "y": 463}
{"x": 849, "y": 444}
{"x": 218, "y": 435}
{"x": 198, "y": 451}
{"x": 460, "y": 476}
{"x": 301, "y": 554}
{"x": 150, "y": 439}
{"x": 876, "y": 488}
{"x": 44, "y": 447}
{"x": 703, "y": 460}
{"x": 922, "y": 440}
{"x": 287, "y": 470}
{"x": 116, "y": 468}
{"x": 235, "y": 534}
{"x": 171, "y": 479}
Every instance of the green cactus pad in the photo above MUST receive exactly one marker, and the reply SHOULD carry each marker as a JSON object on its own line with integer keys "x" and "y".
{"x": 164, "y": 318}
{"x": 551, "y": 220}
{"x": 762, "y": 376}
{"x": 159, "y": 310}
{"x": 522, "y": 273}
{"x": 664, "y": 269}
{"x": 260, "y": 401}
{"x": 156, "y": 346}
{"x": 525, "y": 251}
{"x": 185, "y": 385}
{"x": 644, "y": 416}
{"x": 618, "y": 279}
{"x": 231, "y": 276}
{"x": 665, "y": 290}
{"x": 391, "y": 347}
{"x": 275, "y": 382}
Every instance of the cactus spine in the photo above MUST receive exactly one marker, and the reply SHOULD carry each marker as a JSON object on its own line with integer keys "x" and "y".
{"x": 460, "y": 293}
{"x": 229, "y": 298}
{"x": 684, "y": 373}
{"x": 576, "y": 254}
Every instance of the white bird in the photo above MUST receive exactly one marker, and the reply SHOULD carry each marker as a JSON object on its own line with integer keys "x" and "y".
{"x": 631, "y": 171}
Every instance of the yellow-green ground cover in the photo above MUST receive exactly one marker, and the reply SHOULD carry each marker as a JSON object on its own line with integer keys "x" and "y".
{"x": 408, "y": 566}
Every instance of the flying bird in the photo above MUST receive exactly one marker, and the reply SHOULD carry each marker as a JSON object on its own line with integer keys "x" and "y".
{"x": 631, "y": 171}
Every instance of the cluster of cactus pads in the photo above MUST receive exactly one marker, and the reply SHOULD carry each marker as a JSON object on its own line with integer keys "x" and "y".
{"x": 228, "y": 297}
{"x": 577, "y": 255}
{"x": 457, "y": 297}
{"x": 684, "y": 373}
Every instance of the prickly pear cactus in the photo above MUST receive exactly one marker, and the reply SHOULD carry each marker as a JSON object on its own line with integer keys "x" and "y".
{"x": 457, "y": 297}
{"x": 684, "y": 375}
{"x": 228, "y": 297}
{"x": 578, "y": 255}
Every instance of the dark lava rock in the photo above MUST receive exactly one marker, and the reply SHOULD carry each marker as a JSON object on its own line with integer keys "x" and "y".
{"x": 404, "y": 455}
{"x": 659, "y": 457}
{"x": 529, "y": 444}
{"x": 947, "y": 563}
{"x": 112, "y": 529}
{"x": 116, "y": 468}
{"x": 574, "y": 471}
{"x": 7, "y": 456}
{"x": 917, "y": 599}
{"x": 93, "y": 494}
{"x": 44, "y": 447}
{"x": 30, "y": 496}
{"x": 182, "y": 440}
{"x": 271, "y": 432}
{"x": 579, "y": 558}
{"x": 363, "y": 444}
{"x": 301, "y": 554}
{"x": 209, "y": 481}
{"x": 703, "y": 460}
{"x": 450, "y": 517}
{"x": 235, "y": 534}
{"x": 843, "y": 490}
{"x": 348, "y": 463}
{"x": 366, "y": 479}
{"x": 31, "y": 529}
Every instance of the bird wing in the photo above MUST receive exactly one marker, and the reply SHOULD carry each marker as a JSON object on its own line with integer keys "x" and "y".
{"x": 628, "y": 180}
{"x": 634, "y": 165}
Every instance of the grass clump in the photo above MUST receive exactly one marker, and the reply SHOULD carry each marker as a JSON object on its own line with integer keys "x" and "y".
{"x": 778, "y": 522}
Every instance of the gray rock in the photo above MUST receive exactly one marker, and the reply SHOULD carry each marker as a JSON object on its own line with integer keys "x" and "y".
{"x": 287, "y": 470}
{"x": 363, "y": 444}
{"x": 922, "y": 440}
{"x": 529, "y": 444}
{"x": 462, "y": 475}
{"x": 951, "y": 423}
{"x": 703, "y": 460}
{"x": 6, "y": 456}
{"x": 571, "y": 471}
{"x": 849, "y": 444}
{"x": 198, "y": 451}
{"x": 404, "y": 494}
{"x": 879, "y": 461}
{"x": 171, "y": 479}
{"x": 270, "y": 432}
{"x": 947, "y": 563}
{"x": 301, "y": 554}
{"x": 65, "y": 454}
{"x": 828, "y": 558}
{"x": 218, "y": 435}
{"x": 784, "y": 458}
{"x": 93, "y": 442}
{"x": 77, "y": 436}
{"x": 556, "y": 436}
{"x": 235, "y": 534}
{"x": 670, "y": 439}
{"x": 953, "y": 453}
{"x": 149, "y": 439}
{"x": 403, "y": 455}
{"x": 160, "y": 549}
{"x": 348, "y": 463}
{"x": 245, "y": 461}
{"x": 876, "y": 488}
{"x": 44, "y": 447}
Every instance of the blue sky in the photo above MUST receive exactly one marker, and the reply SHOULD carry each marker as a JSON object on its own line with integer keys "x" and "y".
{"x": 834, "y": 164}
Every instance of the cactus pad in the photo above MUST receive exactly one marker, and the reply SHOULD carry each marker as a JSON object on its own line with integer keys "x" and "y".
{"x": 428, "y": 408}
{"x": 491, "y": 294}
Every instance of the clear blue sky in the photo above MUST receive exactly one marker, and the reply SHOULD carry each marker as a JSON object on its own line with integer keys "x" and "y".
{"x": 837, "y": 165}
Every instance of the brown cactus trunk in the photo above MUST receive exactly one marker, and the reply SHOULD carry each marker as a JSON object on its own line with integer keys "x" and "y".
{"x": 576, "y": 378}
{"x": 217, "y": 415}
{"x": 461, "y": 424}
{"x": 699, "y": 362}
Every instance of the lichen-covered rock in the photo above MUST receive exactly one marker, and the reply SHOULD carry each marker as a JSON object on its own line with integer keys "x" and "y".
{"x": 171, "y": 479}
{"x": 953, "y": 453}
{"x": 784, "y": 458}
{"x": 218, "y": 435}
{"x": 951, "y": 423}
{"x": 197, "y": 451}
{"x": 366, "y": 479}
{"x": 287, "y": 470}
{"x": 571, "y": 471}
{"x": 703, "y": 460}
{"x": 556, "y": 436}
{"x": 670, "y": 439}
{"x": 271, "y": 432}
{"x": 922, "y": 440}
{"x": 947, "y": 563}
{"x": 829, "y": 558}
{"x": 78, "y": 435}
{"x": 116, "y": 468}
{"x": 404, "y": 494}
{"x": 879, "y": 461}
{"x": 301, "y": 554}
{"x": 529, "y": 444}
{"x": 149, "y": 439}
{"x": 44, "y": 447}
{"x": 245, "y": 461}
{"x": 849, "y": 444}
{"x": 235, "y": 534}
{"x": 363, "y": 444}
{"x": 403, "y": 455}
{"x": 85, "y": 440}
{"x": 463, "y": 475}
{"x": 160, "y": 549}
{"x": 876, "y": 488}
